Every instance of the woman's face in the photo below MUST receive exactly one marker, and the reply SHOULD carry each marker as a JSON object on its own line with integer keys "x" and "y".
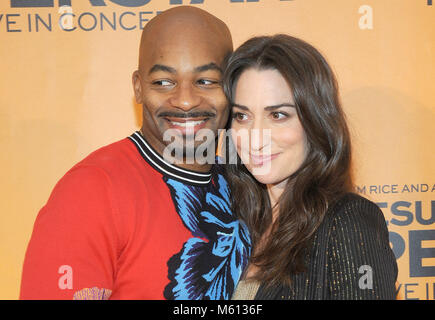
{"x": 266, "y": 130}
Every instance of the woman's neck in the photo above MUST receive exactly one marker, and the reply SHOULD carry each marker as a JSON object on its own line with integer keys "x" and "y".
{"x": 275, "y": 191}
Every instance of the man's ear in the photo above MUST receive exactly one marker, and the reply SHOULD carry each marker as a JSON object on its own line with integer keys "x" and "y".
{"x": 137, "y": 87}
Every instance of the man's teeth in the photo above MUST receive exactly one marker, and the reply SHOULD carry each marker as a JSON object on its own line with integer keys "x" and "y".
{"x": 187, "y": 123}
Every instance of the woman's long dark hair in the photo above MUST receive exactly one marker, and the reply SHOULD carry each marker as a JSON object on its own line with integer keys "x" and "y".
{"x": 322, "y": 178}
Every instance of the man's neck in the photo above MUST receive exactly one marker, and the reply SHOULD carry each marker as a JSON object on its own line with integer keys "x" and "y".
{"x": 184, "y": 163}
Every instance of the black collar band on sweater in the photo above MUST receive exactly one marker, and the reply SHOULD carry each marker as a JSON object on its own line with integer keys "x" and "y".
{"x": 165, "y": 168}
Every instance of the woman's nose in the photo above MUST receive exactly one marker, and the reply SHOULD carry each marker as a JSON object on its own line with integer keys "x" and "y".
{"x": 260, "y": 136}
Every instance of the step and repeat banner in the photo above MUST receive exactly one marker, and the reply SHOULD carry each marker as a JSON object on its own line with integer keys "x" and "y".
{"x": 65, "y": 90}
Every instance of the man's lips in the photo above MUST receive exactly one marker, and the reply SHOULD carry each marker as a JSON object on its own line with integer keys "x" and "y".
{"x": 186, "y": 125}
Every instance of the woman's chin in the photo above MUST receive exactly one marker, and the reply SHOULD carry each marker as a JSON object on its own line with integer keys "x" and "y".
{"x": 268, "y": 178}
{"x": 264, "y": 178}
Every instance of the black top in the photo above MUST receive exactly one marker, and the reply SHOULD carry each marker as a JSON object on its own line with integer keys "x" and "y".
{"x": 350, "y": 257}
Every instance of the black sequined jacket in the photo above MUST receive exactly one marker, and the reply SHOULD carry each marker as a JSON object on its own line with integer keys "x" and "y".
{"x": 350, "y": 258}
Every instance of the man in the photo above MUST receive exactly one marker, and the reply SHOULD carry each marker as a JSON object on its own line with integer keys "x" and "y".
{"x": 126, "y": 223}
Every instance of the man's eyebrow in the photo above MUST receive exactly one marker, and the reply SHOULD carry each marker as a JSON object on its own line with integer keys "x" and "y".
{"x": 161, "y": 67}
{"x": 209, "y": 66}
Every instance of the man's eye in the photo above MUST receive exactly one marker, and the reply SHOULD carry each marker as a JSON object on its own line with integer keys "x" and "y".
{"x": 163, "y": 83}
{"x": 206, "y": 82}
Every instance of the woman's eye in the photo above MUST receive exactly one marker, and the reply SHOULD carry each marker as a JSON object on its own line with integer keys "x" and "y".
{"x": 279, "y": 115}
{"x": 239, "y": 116}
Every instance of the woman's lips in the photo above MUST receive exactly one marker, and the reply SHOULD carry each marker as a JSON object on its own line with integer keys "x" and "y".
{"x": 259, "y": 160}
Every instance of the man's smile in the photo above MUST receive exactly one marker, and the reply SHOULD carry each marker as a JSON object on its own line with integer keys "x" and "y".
{"x": 187, "y": 123}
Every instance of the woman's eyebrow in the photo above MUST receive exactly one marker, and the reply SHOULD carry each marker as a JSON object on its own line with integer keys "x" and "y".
{"x": 274, "y": 107}
{"x": 240, "y": 106}
{"x": 268, "y": 108}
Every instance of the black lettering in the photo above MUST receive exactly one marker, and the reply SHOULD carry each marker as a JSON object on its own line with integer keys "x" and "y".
{"x": 89, "y": 28}
{"x": 398, "y": 289}
{"x": 417, "y": 253}
{"x": 409, "y": 291}
{"x": 401, "y": 213}
{"x": 31, "y": 3}
{"x": 94, "y": 3}
{"x": 120, "y": 20}
{"x": 9, "y": 22}
{"x": 397, "y": 244}
{"x": 382, "y": 205}
{"x": 29, "y": 22}
{"x": 383, "y": 188}
{"x": 361, "y": 190}
{"x": 142, "y": 20}
{"x": 104, "y": 18}
{"x": 61, "y": 24}
{"x": 419, "y": 214}
{"x": 131, "y": 3}
{"x": 191, "y": 1}
{"x": 38, "y": 18}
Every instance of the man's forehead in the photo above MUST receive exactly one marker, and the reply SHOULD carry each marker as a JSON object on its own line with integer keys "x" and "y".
{"x": 187, "y": 55}
{"x": 187, "y": 38}
{"x": 185, "y": 33}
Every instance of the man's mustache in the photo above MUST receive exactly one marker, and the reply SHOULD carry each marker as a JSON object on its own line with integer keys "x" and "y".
{"x": 185, "y": 115}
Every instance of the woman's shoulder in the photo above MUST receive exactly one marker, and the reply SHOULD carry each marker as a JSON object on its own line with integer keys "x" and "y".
{"x": 352, "y": 203}
{"x": 356, "y": 210}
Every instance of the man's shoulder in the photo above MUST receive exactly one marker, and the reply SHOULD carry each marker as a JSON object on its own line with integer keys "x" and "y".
{"x": 99, "y": 162}
{"x": 111, "y": 153}
{"x": 113, "y": 162}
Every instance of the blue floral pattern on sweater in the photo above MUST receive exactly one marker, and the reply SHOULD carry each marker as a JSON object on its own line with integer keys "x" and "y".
{"x": 210, "y": 263}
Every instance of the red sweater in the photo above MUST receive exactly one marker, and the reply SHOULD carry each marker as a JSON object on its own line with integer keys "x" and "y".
{"x": 124, "y": 224}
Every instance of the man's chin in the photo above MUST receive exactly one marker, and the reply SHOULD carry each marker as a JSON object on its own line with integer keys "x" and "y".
{"x": 189, "y": 152}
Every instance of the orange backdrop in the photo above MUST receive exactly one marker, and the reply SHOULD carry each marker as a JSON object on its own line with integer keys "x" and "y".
{"x": 65, "y": 90}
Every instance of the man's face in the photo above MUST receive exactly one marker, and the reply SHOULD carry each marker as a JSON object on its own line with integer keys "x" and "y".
{"x": 179, "y": 85}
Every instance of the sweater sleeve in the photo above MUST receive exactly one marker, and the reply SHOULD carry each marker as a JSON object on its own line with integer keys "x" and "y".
{"x": 361, "y": 264}
{"x": 73, "y": 249}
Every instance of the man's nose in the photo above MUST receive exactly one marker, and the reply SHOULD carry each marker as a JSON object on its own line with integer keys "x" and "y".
{"x": 185, "y": 97}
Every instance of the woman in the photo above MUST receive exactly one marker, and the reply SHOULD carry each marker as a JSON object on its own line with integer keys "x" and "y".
{"x": 312, "y": 237}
